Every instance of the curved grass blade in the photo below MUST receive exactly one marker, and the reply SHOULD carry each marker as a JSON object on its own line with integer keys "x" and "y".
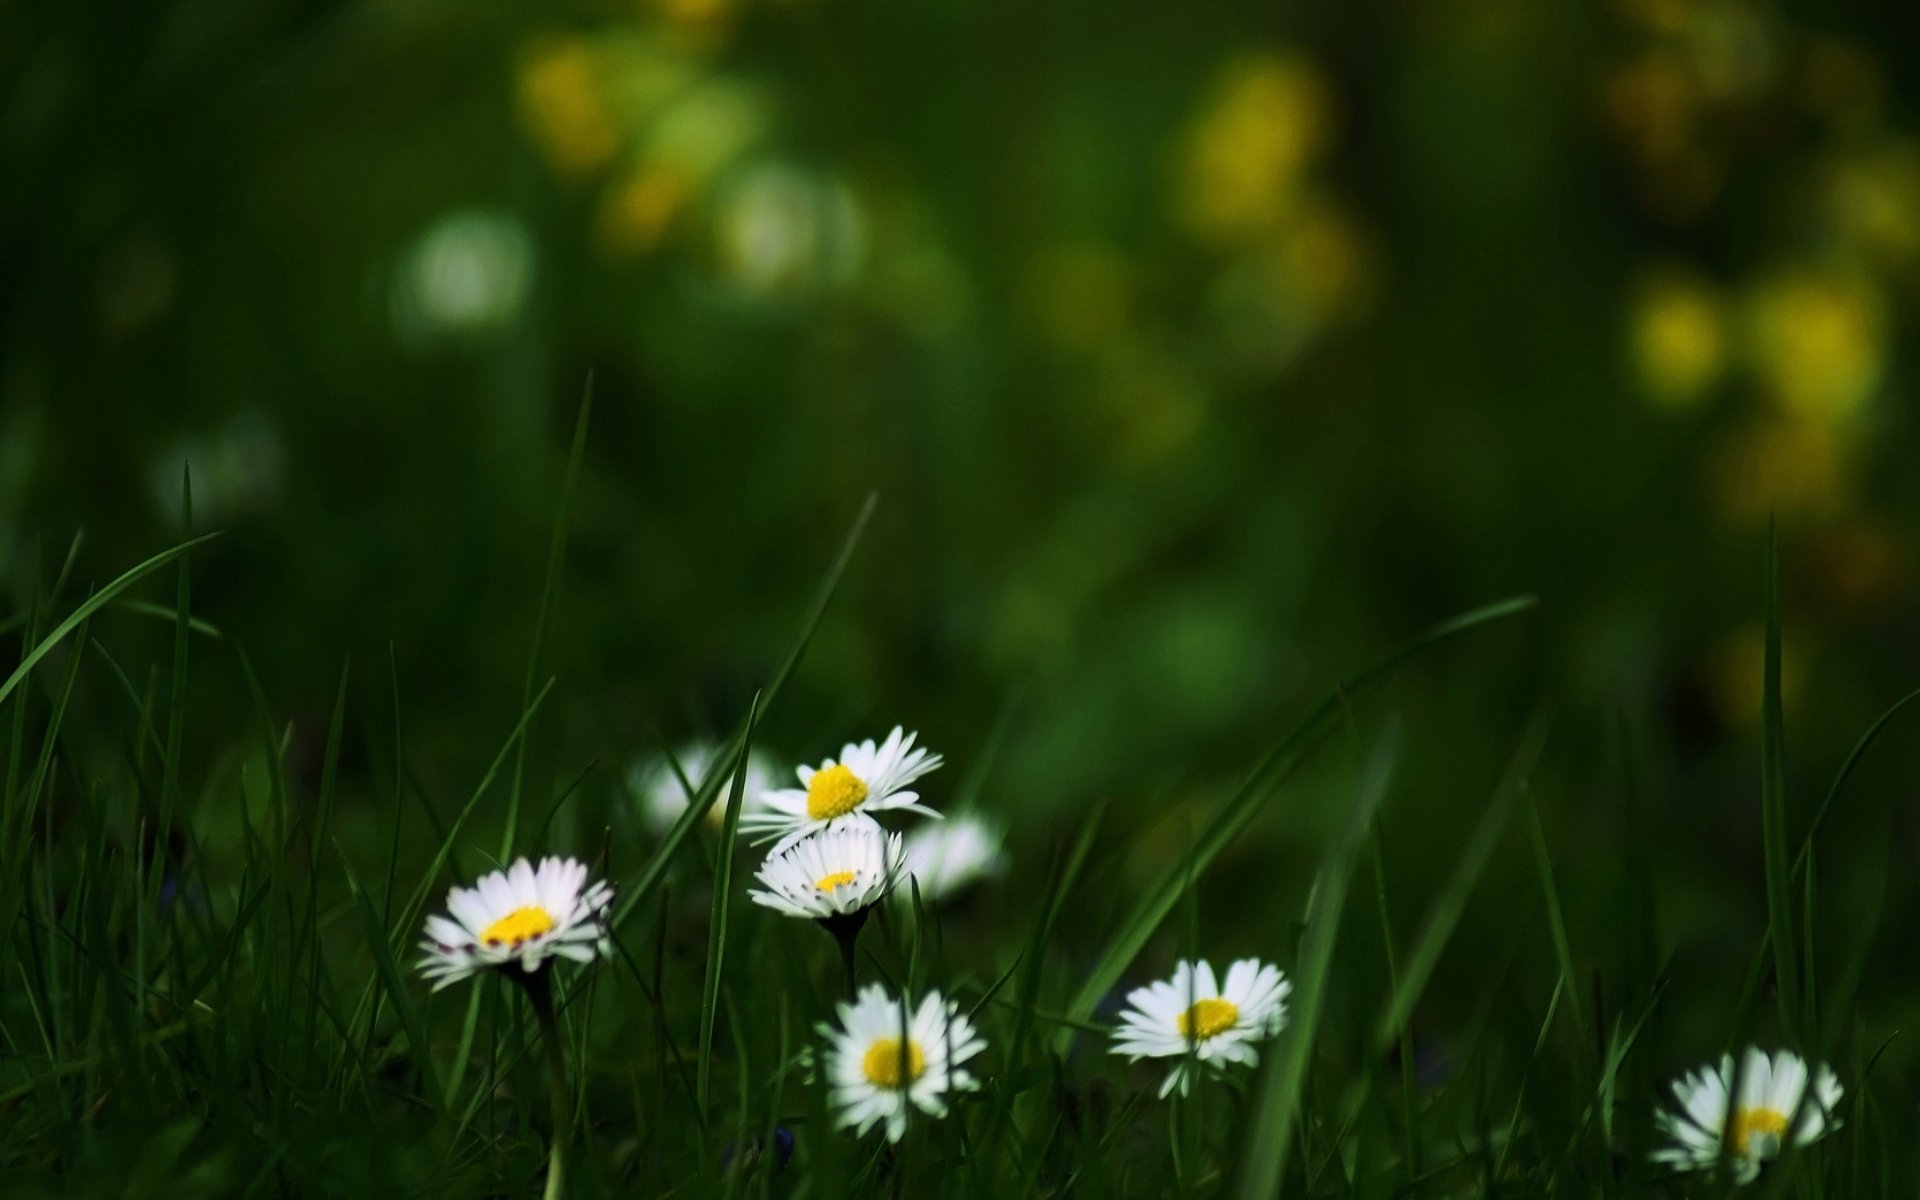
{"x": 93, "y": 604}
{"x": 1268, "y": 1139}
{"x": 1245, "y": 803}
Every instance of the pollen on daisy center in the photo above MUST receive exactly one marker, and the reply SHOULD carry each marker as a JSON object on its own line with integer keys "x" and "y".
{"x": 518, "y": 925}
{"x": 834, "y": 792}
{"x": 1207, "y": 1018}
{"x": 882, "y": 1064}
{"x": 1768, "y": 1124}
{"x": 838, "y": 879}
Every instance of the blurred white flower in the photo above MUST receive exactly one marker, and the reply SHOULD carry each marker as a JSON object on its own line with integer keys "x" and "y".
{"x": 951, "y": 856}
{"x": 663, "y": 797}
{"x": 782, "y": 231}
{"x": 468, "y": 274}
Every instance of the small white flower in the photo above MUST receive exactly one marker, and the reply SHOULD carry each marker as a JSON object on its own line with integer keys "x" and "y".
{"x": 1754, "y": 1129}
{"x": 874, "y": 1078}
{"x": 867, "y": 779}
{"x": 1191, "y": 1018}
{"x": 960, "y": 850}
{"x": 663, "y": 797}
{"x": 522, "y": 915}
{"x": 832, "y": 872}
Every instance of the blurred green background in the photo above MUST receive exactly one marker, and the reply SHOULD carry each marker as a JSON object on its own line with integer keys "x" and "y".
{"x": 1197, "y": 354}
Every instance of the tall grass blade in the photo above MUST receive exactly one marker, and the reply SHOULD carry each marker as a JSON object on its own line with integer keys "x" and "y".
{"x": 1268, "y": 1139}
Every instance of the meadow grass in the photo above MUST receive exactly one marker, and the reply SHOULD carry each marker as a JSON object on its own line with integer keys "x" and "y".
{"x": 210, "y": 985}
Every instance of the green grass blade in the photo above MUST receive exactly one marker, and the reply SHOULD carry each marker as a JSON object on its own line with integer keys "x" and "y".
{"x": 656, "y": 868}
{"x": 94, "y": 604}
{"x": 722, "y": 909}
{"x": 1773, "y": 803}
{"x": 1452, "y": 900}
{"x": 1245, "y": 803}
{"x": 1268, "y": 1139}
{"x": 556, "y": 554}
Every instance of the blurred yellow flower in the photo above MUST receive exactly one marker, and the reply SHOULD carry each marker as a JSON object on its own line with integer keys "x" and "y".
{"x": 1079, "y": 294}
{"x": 1677, "y": 337}
{"x": 1873, "y": 201}
{"x": 1818, "y": 341}
{"x": 706, "y": 19}
{"x": 1779, "y": 465}
{"x": 561, "y": 104}
{"x": 1841, "y": 81}
{"x": 1327, "y": 258}
{"x": 1245, "y": 154}
{"x": 634, "y": 213}
{"x": 1146, "y": 406}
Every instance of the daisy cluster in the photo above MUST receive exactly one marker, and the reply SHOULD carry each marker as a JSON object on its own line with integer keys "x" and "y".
{"x": 831, "y": 860}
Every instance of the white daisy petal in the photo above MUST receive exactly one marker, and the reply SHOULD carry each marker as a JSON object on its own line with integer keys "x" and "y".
{"x": 523, "y": 915}
{"x": 663, "y": 797}
{"x": 1773, "y": 1093}
{"x": 1193, "y": 1018}
{"x": 834, "y": 872}
{"x": 947, "y": 858}
{"x": 865, "y": 780}
{"x": 875, "y": 1078}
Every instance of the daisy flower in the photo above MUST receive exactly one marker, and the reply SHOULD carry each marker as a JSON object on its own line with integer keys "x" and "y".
{"x": 524, "y": 914}
{"x": 833, "y": 872}
{"x": 1774, "y": 1094}
{"x": 1191, "y": 1018}
{"x": 948, "y": 857}
{"x": 867, "y": 779}
{"x": 663, "y": 798}
{"x": 875, "y": 1078}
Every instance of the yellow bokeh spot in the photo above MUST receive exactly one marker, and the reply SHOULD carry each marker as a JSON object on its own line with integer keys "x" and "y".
{"x": 1250, "y": 145}
{"x": 1779, "y": 466}
{"x": 635, "y": 212}
{"x": 560, "y": 100}
{"x": 1080, "y": 294}
{"x": 1677, "y": 338}
{"x": 1207, "y": 1018}
{"x": 834, "y": 792}
{"x": 839, "y": 879}
{"x": 517, "y": 926}
{"x": 1819, "y": 342}
{"x": 883, "y": 1061}
{"x": 1767, "y": 1124}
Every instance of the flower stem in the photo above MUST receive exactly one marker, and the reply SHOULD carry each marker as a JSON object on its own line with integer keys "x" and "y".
{"x": 845, "y": 929}
{"x": 540, "y": 995}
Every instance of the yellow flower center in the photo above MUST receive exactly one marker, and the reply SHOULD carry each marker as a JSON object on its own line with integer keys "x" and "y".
{"x": 834, "y": 792}
{"x": 518, "y": 925}
{"x": 883, "y": 1062}
{"x": 827, "y": 883}
{"x": 1207, "y": 1018}
{"x": 1767, "y": 1124}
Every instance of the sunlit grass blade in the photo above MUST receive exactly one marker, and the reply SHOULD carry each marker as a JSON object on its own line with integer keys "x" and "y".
{"x": 1269, "y": 1138}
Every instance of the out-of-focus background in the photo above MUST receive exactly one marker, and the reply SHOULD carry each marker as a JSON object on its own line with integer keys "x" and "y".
{"x": 1198, "y": 355}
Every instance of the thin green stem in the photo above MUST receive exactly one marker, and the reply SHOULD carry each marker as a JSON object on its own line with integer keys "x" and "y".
{"x": 539, "y": 987}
